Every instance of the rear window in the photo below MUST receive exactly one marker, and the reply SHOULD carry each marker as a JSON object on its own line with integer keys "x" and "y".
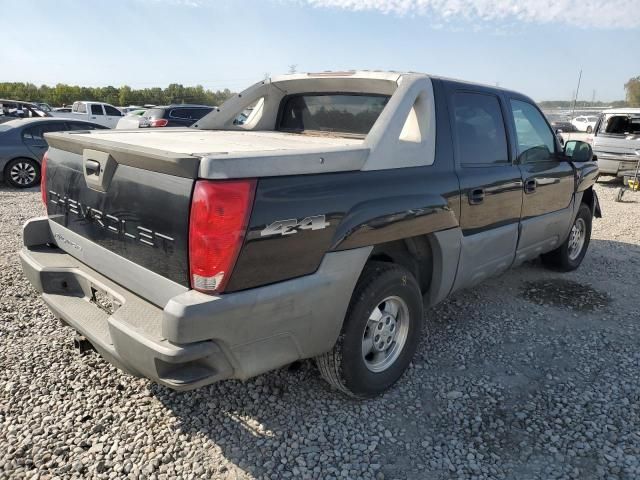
{"x": 154, "y": 113}
{"x": 619, "y": 124}
{"x": 189, "y": 113}
{"x": 342, "y": 113}
{"x": 79, "y": 107}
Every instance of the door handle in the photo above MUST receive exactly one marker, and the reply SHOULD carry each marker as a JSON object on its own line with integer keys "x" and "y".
{"x": 530, "y": 185}
{"x": 92, "y": 167}
{"x": 476, "y": 196}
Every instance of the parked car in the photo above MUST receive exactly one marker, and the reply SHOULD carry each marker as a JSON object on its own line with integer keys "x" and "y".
{"x": 130, "y": 108}
{"x": 616, "y": 140}
{"x": 317, "y": 228}
{"x": 561, "y": 122}
{"x": 96, "y": 112}
{"x": 131, "y": 119}
{"x": 22, "y": 145}
{"x": 45, "y": 107}
{"x": 182, "y": 115}
{"x": 585, "y": 123}
{"x": 11, "y": 109}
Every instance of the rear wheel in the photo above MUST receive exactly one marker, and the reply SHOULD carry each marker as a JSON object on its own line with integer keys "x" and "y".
{"x": 589, "y": 129}
{"x": 22, "y": 173}
{"x": 569, "y": 255}
{"x": 380, "y": 334}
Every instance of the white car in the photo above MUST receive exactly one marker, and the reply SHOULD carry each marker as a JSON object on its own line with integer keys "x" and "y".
{"x": 585, "y": 123}
{"x": 133, "y": 119}
{"x": 96, "y": 112}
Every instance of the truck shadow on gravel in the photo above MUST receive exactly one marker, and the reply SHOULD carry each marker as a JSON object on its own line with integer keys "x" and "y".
{"x": 505, "y": 370}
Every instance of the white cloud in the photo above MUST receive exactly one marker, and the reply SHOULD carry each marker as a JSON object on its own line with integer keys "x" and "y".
{"x": 581, "y": 13}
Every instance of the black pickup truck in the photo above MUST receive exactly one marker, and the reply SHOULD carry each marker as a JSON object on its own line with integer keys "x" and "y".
{"x": 320, "y": 225}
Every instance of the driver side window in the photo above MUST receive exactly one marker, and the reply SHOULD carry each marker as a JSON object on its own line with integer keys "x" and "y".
{"x": 536, "y": 142}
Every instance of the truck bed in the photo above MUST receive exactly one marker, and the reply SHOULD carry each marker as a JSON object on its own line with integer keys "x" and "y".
{"x": 209, "y": 142}
{"x": 219, "y": 154}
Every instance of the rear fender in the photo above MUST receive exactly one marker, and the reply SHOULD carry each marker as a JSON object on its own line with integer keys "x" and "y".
{"x": 393, "y": 218}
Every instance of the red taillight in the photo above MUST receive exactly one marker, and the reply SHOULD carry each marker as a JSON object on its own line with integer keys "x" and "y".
{"x": 43, "y": 178}
{"x": 158, "y": 122}
{"x": 217, "y": 226}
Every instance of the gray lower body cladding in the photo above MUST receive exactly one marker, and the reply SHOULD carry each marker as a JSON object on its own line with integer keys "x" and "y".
{"x": 196, "y": 339}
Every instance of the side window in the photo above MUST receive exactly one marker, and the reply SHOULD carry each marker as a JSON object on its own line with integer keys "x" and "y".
{"x": 80, "y": 108}
{"x": 536, "y": 142}
{"x": 33, "y": 133}
{"x": 479, "y": 129}
{"x": 198, "y": 113}
{"x": 182, "y": 113}
{"x": 112, "y": 111}
{"x": 79, "y": 126}
{"x": 96, "y": 110}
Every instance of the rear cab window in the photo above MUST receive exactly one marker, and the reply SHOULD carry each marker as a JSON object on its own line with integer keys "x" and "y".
{"x": 79, "y": 107}
{"x": 479, "y": 128}
{"x": 619, "y": 124}
{"x": 340, "y": 113}
{"x": 154, "y": 113}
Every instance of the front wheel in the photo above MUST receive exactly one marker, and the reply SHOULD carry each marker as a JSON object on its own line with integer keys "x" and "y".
{"x": 22, "y": 173}
{"x": 380, "y": 334}
{"x": 570, "y": 254}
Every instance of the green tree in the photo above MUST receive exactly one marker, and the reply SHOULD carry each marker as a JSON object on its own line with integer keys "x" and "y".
{"x": 632, "y": 87}
{"x": 63, "y": 94}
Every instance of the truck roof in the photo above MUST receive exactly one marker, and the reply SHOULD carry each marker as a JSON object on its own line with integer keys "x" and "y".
{"x": 623, "y": 110}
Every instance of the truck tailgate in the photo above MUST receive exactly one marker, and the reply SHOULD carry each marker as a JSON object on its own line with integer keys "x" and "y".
{"x": 139, "y": 214}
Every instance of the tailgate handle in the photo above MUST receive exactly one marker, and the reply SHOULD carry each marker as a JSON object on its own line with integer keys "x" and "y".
{"x": 92, "y": 167}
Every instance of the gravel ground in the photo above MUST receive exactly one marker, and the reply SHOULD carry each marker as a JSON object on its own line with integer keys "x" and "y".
{"x": 533, "y": 374}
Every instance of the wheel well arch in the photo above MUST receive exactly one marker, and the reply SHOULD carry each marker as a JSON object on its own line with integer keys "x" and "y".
{"x": 587, "y": 197}
{"x": 414, "y": 254}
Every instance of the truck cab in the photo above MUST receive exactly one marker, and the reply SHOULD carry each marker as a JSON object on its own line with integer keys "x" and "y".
{"x": 96, "y": 112}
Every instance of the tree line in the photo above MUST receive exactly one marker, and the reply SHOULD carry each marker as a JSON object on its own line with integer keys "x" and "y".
{"x": 63, "y": 94}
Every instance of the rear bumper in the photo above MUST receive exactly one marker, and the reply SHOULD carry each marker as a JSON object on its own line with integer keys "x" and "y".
{"x": 610, "y": 164}
{"x": 196, "y": 339}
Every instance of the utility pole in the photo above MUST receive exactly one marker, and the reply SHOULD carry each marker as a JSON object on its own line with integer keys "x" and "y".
{"x": 575, "y": 98}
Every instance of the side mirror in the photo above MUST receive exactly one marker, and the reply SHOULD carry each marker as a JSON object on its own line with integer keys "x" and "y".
{"x": 578, "y": 151}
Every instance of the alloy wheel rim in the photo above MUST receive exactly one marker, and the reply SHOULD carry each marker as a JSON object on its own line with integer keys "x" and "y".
{"x": 385, "y": 334}
{"x": 23, "y": 173}
{"x": 577, "y": 238}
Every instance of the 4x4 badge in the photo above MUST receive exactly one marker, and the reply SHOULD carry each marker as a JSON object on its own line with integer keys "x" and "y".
{"x": 289, "y": 227}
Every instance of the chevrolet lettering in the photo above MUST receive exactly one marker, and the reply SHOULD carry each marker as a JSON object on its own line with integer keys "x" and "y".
{"x": 113, "y": 224}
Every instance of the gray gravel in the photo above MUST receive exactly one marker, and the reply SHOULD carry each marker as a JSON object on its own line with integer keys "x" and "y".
{"x": 531, "y": 375}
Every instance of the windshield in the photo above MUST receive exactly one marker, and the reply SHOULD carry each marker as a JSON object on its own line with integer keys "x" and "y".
{"x": 336, "y": 112}
{"x": 620, "y": 124}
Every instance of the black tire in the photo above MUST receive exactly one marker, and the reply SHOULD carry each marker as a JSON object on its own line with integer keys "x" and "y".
{"x": 22, "y": 173}
{"x": 589, "y": 129}
{"x": 566, "y": 257}
{"x": 345, "y": 367}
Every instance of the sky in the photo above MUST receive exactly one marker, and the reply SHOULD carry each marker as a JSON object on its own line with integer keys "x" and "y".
{"x": 537, "y": 47}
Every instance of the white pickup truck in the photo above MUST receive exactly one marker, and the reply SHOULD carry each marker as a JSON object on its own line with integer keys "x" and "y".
{"x": 96, "y": 112}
